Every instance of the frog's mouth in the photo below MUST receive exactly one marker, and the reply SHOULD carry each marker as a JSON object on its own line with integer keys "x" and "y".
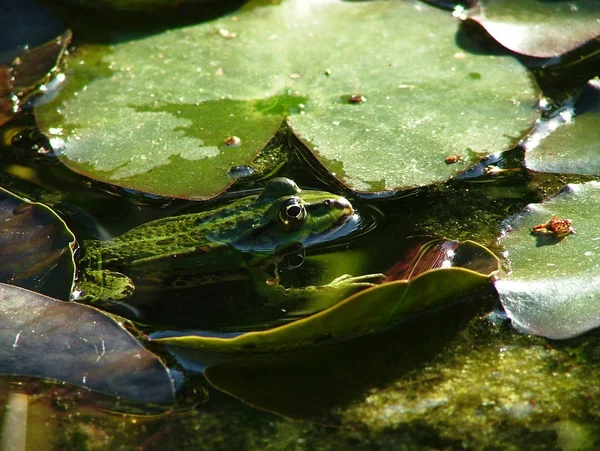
{"x": 347, "y": 211}
{"x": 344, "y": 226}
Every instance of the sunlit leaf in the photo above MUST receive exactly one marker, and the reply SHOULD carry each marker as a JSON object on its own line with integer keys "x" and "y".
{"x": 539, "y": 28}
{"x": 569, "y": 143}
{"x": 553, "y": 287}
{"x": 381, "y": 92}
{"x": 368, "y": 311}
{"x": 70, "y": 342}
{"x": 36, "y": 247}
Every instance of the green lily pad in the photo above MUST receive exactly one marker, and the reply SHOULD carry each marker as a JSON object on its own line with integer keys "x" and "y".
{"x": 539, "y": 28}
{"x": 36, "y": 247}
{"x": 371, "y": 310}
{"x": 70, "y": 342}
{"x": 569, "y": 143}
{"x": 553, "y": 287}
{"x": 155, "y": 113}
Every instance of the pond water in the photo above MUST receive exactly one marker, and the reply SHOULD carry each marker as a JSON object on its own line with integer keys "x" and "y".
{"x": 455, "y": 376}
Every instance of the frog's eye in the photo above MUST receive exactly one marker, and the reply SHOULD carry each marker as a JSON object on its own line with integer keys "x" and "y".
{"x": 292, "y": 213}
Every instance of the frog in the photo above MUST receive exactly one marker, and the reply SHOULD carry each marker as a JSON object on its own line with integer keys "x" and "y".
{"x": 251, "y": 235}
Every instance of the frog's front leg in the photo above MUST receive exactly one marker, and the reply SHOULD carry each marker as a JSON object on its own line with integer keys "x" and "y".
{"x": 346, "y": 280}
{"x": 303, "y": 300}
{"x": 103, "y": 285}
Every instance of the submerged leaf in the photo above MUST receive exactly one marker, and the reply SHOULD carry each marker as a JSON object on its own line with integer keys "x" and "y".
{"x": 539, "y": 28}
{"x": 371, "y": 310}
{"x": 36, "y": 247}
{"x": 426, "y": 253}
{"x": 553, "y": 287}
{"x": 157, "y": 113}
{"x": 44, "y": 337}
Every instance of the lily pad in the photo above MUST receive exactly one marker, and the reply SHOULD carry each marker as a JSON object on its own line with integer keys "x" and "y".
{"x": 155, "y": 113}
{"x": 70, "y": 342}
{"x": 569, "y": 143}
{"x": 36, "y": 247}
{"x": 539, "y": 28}
{"x": 371, "y": 310}
{"x": 553, "y": 288}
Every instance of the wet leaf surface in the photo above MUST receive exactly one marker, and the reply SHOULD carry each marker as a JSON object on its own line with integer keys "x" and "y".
{"x": 569, "y": 143}
{"x": 25, "y": 76}
{"x": 539, "y": 28}
{"x": 553, "y": 287}
{"x": 52, "y": 339}
{"x": 141, "y": 112}
{"x": 371, "y": 310}
{"x": 36, "y": 247}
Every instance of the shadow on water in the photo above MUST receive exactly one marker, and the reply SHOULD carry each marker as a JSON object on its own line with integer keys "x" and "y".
{"x": 105, "y": 26}
{"x": 315, "y": 383}
{"x": 473, "y": 38}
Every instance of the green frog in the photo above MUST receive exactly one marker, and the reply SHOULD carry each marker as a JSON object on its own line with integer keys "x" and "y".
{"x": 249, "y": 235}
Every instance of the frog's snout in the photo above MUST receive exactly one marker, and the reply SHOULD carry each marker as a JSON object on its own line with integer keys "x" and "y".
{"x": 343, "y": 204}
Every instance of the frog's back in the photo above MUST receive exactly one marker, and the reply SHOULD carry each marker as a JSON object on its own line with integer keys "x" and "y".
{"x": 179, "y": 237}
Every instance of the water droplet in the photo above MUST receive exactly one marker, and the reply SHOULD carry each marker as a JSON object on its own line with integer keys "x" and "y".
{"x": 237, "y": 172}
{"x": 227, "y": 34}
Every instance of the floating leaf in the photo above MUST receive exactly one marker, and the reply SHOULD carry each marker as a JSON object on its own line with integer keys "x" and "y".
{"x": 70, "y": 342}
{"x": 36, "y": 247}
{"x": 380, "y": 91}
{"x": 370, "y": 310}
{"x": 567, "y": 144}
{"x": 313, "y": 383}
{"x": 539, "y": 28}
{"x": 426, "y": 253}
{"x": 27, "y": 73}
{"x": 553, "y": 288}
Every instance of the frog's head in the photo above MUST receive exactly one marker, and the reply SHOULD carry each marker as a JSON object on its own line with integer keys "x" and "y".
{"x": 293, "y": 216}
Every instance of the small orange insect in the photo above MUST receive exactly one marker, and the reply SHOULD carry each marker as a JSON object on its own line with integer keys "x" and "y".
{"x": 357, "y": 98}
{"x": 556, "y": 226}
{"x": 451, "y": 159}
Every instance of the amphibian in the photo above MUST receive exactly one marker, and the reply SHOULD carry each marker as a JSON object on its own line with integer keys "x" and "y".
{"x": 198, "y": 248}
